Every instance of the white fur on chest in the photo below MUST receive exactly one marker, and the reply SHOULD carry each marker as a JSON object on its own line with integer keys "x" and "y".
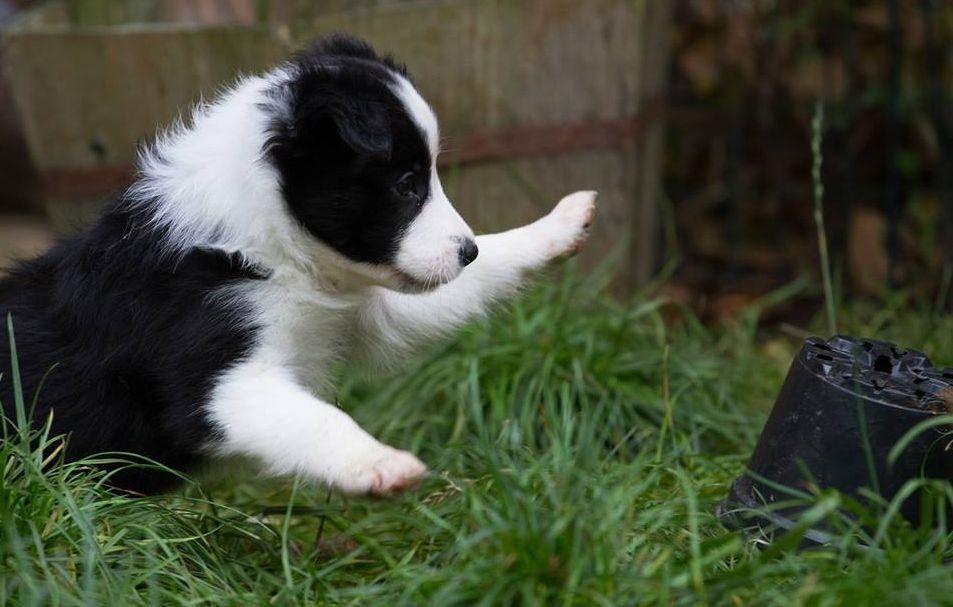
{"x": 302, "y": 330}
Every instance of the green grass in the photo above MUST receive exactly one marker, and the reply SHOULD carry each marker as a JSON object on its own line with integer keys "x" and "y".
{"x": 578, "y": 449}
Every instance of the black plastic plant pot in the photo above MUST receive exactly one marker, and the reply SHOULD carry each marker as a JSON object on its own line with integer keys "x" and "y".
{"x": 844, "y": 406}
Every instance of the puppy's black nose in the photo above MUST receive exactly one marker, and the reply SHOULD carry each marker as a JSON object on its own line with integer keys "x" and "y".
{"x": 467, "y": 252}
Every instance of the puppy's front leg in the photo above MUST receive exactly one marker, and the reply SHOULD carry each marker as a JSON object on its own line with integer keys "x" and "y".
{"x": 393, "y": 325}
{"x": 262, "y": 412}
{"x": 557, "y": 235}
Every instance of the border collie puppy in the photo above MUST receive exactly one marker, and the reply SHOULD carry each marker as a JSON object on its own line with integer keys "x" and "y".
{"x": 295, "y": 222}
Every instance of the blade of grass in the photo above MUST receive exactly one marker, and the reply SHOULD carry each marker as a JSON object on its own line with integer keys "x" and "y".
{"x": 817, "y": 144}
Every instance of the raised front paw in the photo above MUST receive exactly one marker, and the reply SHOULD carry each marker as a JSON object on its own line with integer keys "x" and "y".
{"x": 385, "y": 472}
{"x": 566, "y": 227}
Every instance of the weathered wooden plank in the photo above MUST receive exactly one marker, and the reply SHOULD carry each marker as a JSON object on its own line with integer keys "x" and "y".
{"x": 86, "y": 99}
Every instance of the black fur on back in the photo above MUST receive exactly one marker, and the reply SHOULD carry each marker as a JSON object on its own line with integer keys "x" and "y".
{"x": 130, "y": 340}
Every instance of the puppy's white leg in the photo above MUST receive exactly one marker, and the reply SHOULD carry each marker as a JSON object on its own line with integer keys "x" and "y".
{"x": 394, "y": 324}
{"x": 563, "y": 231}
{"x": 263, "y": 413}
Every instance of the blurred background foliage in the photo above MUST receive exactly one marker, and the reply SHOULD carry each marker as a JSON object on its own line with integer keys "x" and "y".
{"x": 745, "y": 77}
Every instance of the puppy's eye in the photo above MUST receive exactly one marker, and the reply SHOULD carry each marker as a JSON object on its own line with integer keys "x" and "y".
{"x": 405, "y": 187}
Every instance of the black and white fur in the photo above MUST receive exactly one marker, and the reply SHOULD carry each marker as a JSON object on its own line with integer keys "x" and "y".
{"x": 296, "y": 221}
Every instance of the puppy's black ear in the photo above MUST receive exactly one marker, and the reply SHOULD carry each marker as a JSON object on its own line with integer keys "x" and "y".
{"x": 326, "y": 110}
{"x": 329, "y": 125}
{"x": 363, "y": 125}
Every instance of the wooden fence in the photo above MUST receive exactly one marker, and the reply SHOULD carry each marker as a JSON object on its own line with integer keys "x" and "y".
{"x": 536, "y": 97}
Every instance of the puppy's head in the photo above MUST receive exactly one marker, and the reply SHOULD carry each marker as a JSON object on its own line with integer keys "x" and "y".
{"x": 355, "y": 147}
